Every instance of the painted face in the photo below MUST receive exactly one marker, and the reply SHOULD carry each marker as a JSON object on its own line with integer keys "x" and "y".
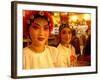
{"x": 66, "y": 35}
{"x": 39, "y": 31}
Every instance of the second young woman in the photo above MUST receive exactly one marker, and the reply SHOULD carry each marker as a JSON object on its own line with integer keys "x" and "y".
{"x": 66, "y": 50}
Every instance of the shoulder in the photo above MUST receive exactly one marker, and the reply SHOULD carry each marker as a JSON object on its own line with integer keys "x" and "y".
{"x": 26, "y": 51}
{"x": 52, "y": 48}
{"x": 59, "y": 46}
{"x": 72, "y": 47}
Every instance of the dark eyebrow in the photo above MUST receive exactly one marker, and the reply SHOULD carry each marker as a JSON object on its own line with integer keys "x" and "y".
{"x": 36, "y": 24}
{"x": 46, "y": 25}
{"x": 39, "y": 25}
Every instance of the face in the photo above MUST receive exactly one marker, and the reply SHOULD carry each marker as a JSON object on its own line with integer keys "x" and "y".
{"x": 66, "y": 35}
{"x": 39, "y": 31}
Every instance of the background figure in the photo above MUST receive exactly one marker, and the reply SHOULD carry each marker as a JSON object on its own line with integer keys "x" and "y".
{"x": 87, "y": 51}
{"x": 87, "y": 48}
{"x": 82, "y": 39}
{"x": 75, "y": 42}
{"x": 66, "y": 50}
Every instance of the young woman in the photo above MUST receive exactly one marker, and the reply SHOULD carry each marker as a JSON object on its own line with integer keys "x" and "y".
{"x": 66, "y": 50}
{"x": 38, "y": 54}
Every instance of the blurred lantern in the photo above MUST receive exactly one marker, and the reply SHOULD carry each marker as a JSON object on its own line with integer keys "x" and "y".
{"x": 64, "y": 17}
{"x": 89, "y": 24}
{"x": 86, "y": 17}
{"x": 74, "y": 18}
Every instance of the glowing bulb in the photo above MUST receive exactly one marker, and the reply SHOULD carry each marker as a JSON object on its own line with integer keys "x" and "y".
{"x": 74, "y": 18}
{"x": 86, "y": 17}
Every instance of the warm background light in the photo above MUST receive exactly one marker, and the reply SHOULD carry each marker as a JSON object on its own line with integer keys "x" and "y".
{"x": 86, "y": 17}
{"x": 74, "y": 18}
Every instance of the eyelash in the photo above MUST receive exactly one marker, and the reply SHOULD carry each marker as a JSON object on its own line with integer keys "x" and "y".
{"x": 46, "y": 28}
{"x": 63, "y": 32}
{"x": 37, "y": 27}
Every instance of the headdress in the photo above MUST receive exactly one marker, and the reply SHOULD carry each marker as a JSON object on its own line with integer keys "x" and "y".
{"x": 63, "y": 26}
{"x": 30, "y": 16}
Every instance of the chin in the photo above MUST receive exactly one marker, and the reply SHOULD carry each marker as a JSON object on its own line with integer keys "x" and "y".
{"x": 41, "y": 43}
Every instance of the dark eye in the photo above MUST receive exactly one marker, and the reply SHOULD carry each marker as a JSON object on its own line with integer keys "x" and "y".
{"x": 35, "y": 27}
{"x": 46, "y": 27}
{"x": 63, "y": 32}
{"x": 69, "y": 32}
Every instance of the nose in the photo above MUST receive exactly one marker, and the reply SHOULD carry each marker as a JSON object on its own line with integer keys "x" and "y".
{"x": 41, "y": 32}
{"x": 66, "y": 35}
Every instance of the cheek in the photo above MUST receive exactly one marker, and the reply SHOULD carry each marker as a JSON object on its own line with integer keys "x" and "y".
{"x": 70, "y": 36}
{"x": 62, "y": 37}
{"x": 46, "y": 33}
{"x": 32, "y": 33}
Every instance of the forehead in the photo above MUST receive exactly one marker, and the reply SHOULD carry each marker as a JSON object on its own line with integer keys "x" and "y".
{"x": 66, "y": 29}
{"x": 40, "y": 19}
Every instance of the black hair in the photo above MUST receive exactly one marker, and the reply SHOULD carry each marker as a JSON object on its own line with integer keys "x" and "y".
{"x": 63, "y": 26}
{"x": 73, "y": 32}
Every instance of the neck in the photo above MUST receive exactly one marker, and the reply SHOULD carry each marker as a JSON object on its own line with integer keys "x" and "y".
{"x": 66, "y": 44}
{"x": 37, "y": 48}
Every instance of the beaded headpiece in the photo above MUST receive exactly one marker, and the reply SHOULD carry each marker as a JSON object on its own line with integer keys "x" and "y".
{"x": 31, "y": 15}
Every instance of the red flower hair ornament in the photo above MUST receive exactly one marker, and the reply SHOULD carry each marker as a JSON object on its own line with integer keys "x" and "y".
{"x": 72, "y": 58}
{"x": 30, "y": 15}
